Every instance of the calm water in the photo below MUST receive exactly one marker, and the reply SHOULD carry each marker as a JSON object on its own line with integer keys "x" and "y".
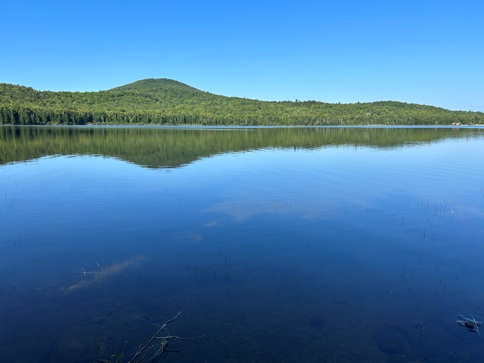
{"x": 277, "y": 245}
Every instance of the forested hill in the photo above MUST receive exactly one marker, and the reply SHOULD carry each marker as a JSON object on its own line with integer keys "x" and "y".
{"x": 164, "y": 101}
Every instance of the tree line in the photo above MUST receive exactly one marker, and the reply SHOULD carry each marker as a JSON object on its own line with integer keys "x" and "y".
{"x": 160, "y": 101}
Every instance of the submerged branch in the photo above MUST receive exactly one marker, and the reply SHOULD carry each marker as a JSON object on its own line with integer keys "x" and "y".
{"x": 155, "y": 336}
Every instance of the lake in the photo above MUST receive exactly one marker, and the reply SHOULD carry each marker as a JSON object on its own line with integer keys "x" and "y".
{"x": 275, "y": 244}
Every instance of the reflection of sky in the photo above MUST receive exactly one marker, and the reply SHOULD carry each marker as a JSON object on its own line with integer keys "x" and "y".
{"x": 306, "y": 183}
{"x": 321, "y": 182}
{"x": 316, "y": 224}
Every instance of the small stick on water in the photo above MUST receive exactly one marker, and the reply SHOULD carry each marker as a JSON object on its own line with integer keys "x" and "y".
{"x": 148, "y": 343}
{"x": 393, "y": 287}
{"x": 476, "y": 323}
{"x": 161, "y": 347}
{"x": 85, "y": 272}
{"x": 140, "y": 318}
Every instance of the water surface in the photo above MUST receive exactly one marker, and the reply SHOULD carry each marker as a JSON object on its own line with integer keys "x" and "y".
{"x": 277, "y": 245}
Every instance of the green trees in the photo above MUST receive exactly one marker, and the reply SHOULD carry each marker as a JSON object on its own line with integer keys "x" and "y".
{"x": 162, "y": 101}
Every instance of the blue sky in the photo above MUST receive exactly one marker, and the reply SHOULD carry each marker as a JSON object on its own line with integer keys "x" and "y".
{"x": 422, "y": 51}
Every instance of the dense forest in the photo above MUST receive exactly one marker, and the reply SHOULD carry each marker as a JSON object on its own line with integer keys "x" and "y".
{"x": 164, "y": 101}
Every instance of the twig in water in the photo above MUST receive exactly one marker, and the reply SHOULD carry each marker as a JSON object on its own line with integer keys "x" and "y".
{"x": 148, "y": 343}
{"x": 393, "y": 287}
{"x": 476, "y": 323}
{"x": 227, "y": 272}
{"x": 421, "y": 330}
{"x": 163, "y": 342}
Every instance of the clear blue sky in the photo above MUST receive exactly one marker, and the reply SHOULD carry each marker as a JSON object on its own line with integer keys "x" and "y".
{"x": 419, "y": 51}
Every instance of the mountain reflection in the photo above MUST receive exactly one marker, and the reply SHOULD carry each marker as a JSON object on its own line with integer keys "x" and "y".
{"x": 160, "y": 147}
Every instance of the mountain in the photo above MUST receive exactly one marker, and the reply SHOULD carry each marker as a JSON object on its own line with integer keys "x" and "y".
{"x": 156, "y": 85}
{"x": 165, "y": 101}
